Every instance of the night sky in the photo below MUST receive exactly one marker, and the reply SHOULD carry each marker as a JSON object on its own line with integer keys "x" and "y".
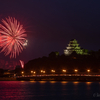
{"x": 51, "y": 24}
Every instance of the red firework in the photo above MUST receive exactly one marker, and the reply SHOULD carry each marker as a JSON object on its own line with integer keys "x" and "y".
{"x": 12, "y": 37}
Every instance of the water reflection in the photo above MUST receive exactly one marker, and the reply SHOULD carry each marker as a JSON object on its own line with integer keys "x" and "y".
{"x": 75, "y": 83}
{"x": 52, "y": 81}
{"x": 64, "y": 82}
{"x": 44, "y": 90}
{"x": 88, "y": 83}
{"x": 22, "y": 81}
{"x": 42, "y": 82}
{"x": 33, "y": 81}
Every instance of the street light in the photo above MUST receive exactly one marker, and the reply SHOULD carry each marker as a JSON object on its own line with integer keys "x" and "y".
{"x": 76, "y": 70}
{"x": 88, "y": 70}
{"x": 53, "y": 71}
{"x": 22, "y": 72}
{"x": 34, "y": 72}
{"x": 64, "y": 71}
{"x": 31, "y": 71}
{"x": 42, "y": 71}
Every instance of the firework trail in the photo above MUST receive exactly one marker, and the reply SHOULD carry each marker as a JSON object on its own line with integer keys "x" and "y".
{"x": 22, "y": 63}
{"x": 12, "y": 37}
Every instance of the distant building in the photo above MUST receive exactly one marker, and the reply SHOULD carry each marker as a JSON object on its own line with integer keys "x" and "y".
{"x": 74, "y": 46}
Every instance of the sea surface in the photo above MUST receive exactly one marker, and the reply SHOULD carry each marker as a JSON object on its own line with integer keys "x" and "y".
{"x": 49, "y": 90}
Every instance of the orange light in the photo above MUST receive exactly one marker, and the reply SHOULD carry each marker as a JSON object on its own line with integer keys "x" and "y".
{"x": 41, "y": 71}
{"x": 64, "y": 70}
{"x": 53, "y": 71}
{"x": 64, "y": 82}
{"x": 75, "y": 82}
{"x": 76, "y": 70}
{"x": 34, "y": 72}
{"x": 88, "y": 83}
{"x": 88, "y": 70}
{"x": 52, "y": 81}
{"x": 42, "y": 82}
{"x": 31, "y": 71}
{"x": 22, "y": 72}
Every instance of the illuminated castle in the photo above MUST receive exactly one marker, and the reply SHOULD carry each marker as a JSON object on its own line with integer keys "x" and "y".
{"x": 74, "y": 46}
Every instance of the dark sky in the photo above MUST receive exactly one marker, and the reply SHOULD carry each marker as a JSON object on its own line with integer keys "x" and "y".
{"x": 51, "y": 24}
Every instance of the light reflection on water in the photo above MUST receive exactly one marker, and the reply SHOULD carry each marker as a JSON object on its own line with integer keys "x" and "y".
{"x": 64, "y": 82}
{"x": 52, "y": 81}
{"x": 88, "y": 83}
{"x": 32, "y": 81}
{"x": 75, "y": 83}
{"x": 48, "y": 90}
{"x": 22, "y": 81}
{"x": 42, "y": 82}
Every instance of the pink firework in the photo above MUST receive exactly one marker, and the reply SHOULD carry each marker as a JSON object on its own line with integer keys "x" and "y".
{"x": 22, "y": 63}
{"x": 12, "y": 37}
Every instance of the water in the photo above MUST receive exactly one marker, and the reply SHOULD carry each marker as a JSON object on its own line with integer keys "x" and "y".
{"x": 44, "y": 90}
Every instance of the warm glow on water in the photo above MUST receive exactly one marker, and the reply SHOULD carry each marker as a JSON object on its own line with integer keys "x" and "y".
{"x": 88, "y": 83}
{"x": 75, "y": 83}
{"x": 52, "y": 81}
{"x": 64, "y": 82}
{"x": 48, "y": 90}
{"x": 22, "y": 81}
{"x": 42, "y": 82}
{"x": 33, "y": 81}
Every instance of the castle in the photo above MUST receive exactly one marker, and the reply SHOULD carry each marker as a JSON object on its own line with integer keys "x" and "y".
{"x": 74, "y": 46}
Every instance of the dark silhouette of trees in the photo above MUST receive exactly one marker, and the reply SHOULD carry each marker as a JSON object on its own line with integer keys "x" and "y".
{"x": 71, "y": 62}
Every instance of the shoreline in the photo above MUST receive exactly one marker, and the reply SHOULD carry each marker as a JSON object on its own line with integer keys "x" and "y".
{"x": 70, "y": 80}
{"x": 7, "y": 79}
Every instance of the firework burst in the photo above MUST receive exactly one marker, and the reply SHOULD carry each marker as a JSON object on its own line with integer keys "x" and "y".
{"x": 12, "y": 37}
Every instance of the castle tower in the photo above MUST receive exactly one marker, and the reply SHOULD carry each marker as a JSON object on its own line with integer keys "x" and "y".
{"x": 73, "y": 46}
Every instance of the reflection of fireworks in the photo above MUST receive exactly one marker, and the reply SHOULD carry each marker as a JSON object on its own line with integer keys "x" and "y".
{"x": 12, "y": 37}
